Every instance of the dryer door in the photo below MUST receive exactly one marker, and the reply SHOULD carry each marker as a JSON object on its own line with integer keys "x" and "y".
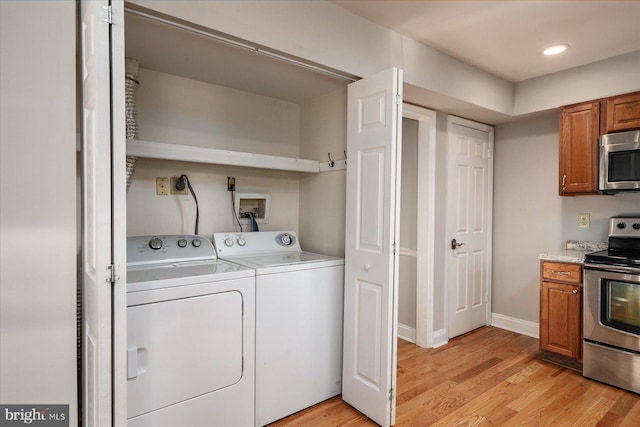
{"x": 181, "y": 349}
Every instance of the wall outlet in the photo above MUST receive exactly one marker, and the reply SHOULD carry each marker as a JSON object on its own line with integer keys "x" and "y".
{"x": 174, "y": 189}
{"x": 231, "y": 183}
{"x": 162, "y": 186}
{"x": 584, "y": 220}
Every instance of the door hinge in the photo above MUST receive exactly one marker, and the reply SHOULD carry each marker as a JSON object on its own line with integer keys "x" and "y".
{"x": 392, "y": 393}
{"x": 393, "y": 248}
{"x": 111, "y": 274}
{"x": 109, "y": 18}
{"x": 397, "y": 99}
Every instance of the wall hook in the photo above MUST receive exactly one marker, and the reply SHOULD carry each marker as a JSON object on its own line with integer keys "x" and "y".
{"x": 331, "y": 162}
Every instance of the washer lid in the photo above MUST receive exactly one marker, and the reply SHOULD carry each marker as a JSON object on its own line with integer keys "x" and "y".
{"x": 280, "y": 259}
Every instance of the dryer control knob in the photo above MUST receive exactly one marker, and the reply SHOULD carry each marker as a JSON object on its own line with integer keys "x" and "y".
{"x": 228, "y": 242}
{"x": 621, "y": 225}
{"x": 155, "y": 243}
{"x": 182, "y": 243}
{"x": 196, "y": 243}
{"x": 241, "y": 241}
{"x": 636, "y": 226}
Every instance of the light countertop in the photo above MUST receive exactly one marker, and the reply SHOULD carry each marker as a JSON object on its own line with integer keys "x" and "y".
{"x": 574, "y": 253}
{"x": 575, "y": 256}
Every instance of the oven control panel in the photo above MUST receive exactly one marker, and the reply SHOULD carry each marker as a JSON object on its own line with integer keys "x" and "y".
{"x": 624, "y": 226}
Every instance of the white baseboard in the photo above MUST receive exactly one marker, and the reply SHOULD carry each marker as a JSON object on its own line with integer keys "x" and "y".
{"x": 407, "y": 333}
{"x": 440, "y": 338}
{"x": 524, "y": 327}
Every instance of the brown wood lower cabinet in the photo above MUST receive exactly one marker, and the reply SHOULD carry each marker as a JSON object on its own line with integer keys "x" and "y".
{"x": 561, "y": 309}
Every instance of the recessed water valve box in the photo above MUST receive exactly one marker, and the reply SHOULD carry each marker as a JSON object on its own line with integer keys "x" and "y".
{"x": 257, "y": 204}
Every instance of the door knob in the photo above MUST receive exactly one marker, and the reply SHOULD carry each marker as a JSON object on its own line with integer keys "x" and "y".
{"x": 455, "y": 245}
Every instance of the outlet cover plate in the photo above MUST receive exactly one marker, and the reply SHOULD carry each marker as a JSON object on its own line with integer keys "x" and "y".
{"x": 174, "y": 190}
{"x": 584, "y": 221}
{"x": 162, "y": 186}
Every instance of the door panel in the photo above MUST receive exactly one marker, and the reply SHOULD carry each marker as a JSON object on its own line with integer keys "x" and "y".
{"x": 468, "y": 206}
{"x": 371, "y": 262}
{"x": 371, "y": 207}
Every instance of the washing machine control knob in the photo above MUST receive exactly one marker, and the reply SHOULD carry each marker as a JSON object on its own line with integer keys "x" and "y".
{"x": 155, "y": 243}
{"x": 228, "y": 242}
{"x": 285, "y": 239}
{"x": 182, "y": 243}
{"x": 241, "y": 241}
{"x": 196, "y": 243}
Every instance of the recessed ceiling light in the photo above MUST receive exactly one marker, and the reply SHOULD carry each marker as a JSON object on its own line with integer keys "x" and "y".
{"x": 555, "y": 49}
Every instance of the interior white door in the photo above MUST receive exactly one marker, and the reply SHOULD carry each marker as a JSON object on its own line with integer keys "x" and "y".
{"x": 374, "y": 111}
{"x": 100, "y": 205}
{"x": 469, "y": 200}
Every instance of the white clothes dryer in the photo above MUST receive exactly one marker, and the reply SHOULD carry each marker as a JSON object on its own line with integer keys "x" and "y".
{"x": 190, "y": 335}
{"x": 299, "y": 311}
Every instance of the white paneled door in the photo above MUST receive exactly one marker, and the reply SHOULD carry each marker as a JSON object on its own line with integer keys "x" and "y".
{"x": 103, "y": 210}
{"x": 469, "y": 199}
{"x": 371, "y": 259}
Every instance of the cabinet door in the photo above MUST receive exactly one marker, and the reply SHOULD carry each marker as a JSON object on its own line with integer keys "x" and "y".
{"x": 579, "y": 131}
{"x": 560, "y": 322}
{"x": 623, "y": 112}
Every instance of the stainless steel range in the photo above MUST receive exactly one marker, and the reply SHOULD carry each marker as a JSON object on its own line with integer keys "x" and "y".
{"x": 611, "y": 352}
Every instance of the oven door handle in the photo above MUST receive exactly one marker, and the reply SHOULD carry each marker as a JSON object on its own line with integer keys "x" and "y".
{"x": 612, "y": 268}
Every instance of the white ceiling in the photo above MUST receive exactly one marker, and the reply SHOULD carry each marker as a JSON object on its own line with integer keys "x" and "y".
{"x": 505, "y": 38}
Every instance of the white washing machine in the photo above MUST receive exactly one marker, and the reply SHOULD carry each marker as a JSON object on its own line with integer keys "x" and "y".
{"x": 190, "y": 335}
{"x": 299, "y": 308}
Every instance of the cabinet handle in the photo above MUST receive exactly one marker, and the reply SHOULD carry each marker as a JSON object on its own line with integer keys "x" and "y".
{"x": 564, "y": 180}
{"x": 575, "y": 291}
{"x": 562, "y": 273}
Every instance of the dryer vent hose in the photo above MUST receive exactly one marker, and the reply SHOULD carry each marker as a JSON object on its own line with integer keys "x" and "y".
{"x": 131, "y": 110}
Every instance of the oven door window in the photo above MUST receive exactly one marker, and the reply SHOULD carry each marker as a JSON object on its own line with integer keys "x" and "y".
{"x": 624, "y": 166}
{"x": 620, "y": 305}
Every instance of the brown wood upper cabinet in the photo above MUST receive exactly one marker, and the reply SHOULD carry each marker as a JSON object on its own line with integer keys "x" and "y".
{"x": 579, "y": 131}
{"x": 580, "y": 126}
{"x": 622, "y": 112}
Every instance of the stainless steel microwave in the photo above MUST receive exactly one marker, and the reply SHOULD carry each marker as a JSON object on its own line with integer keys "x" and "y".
{"x": 620, "y": 162}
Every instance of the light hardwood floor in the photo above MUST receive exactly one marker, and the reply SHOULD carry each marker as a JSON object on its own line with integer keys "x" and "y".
{"x": 488, "y": 377}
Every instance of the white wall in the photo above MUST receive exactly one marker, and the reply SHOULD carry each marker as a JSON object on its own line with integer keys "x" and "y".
{"x": 323, "y": 130}
{"x": 529, "y": 217}
{"x": 182, "y": 111}
{"x": 408, "y": 224}
{"x": 38, "y": 205}
{"x": 148, "y": 213}
{"x": 600, "y": 79}
{"x": 177, "y": 110}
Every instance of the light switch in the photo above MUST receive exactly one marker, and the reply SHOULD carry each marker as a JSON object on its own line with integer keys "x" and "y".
{"x": 583, "y": 220}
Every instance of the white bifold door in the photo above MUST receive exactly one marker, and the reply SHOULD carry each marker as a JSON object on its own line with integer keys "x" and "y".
{"x": 371, "y": 251}
{"x": 103, "y": 213}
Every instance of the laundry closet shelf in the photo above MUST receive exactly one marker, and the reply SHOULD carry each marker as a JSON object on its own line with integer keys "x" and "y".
{"x": 187, "y": 153}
